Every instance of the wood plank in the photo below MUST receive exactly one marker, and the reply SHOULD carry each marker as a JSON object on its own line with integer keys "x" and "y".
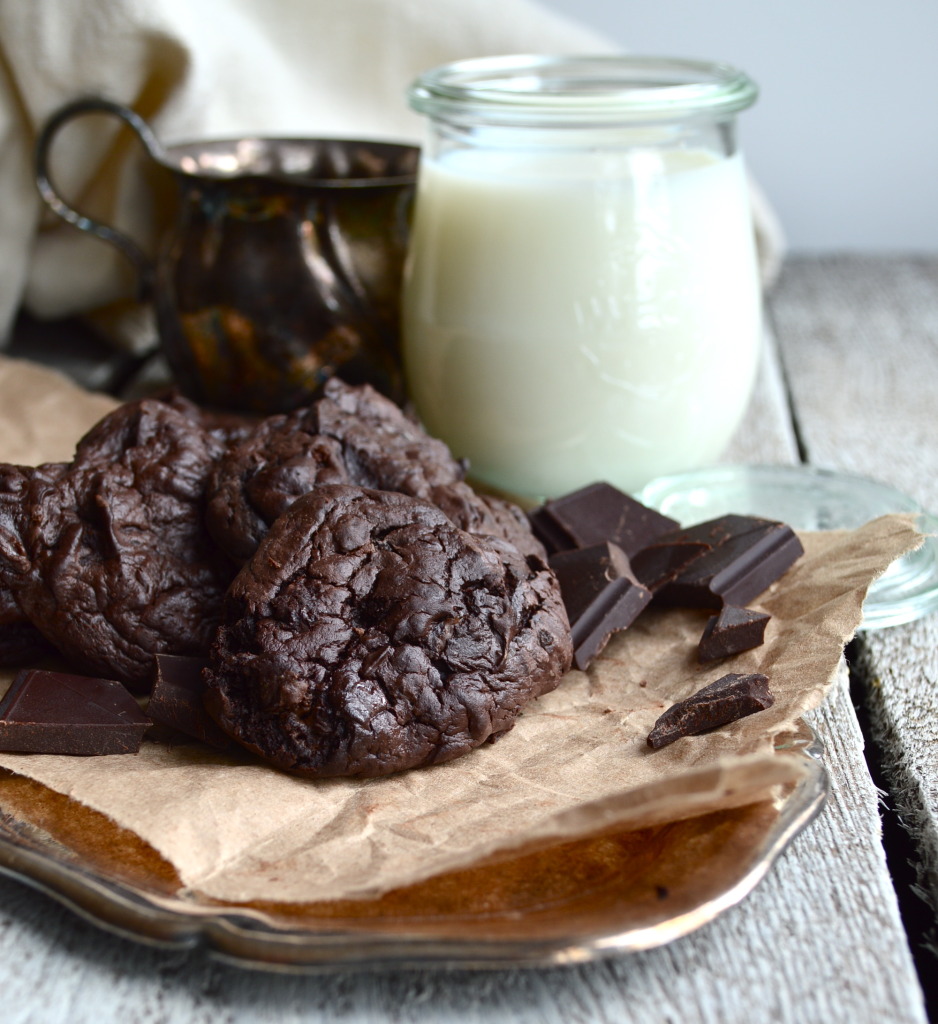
{"x": 859, "y": 339}
{"x": 861, "y": 353}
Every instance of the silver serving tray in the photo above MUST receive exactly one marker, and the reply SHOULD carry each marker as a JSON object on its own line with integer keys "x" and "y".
{"x": 570, "y": 903}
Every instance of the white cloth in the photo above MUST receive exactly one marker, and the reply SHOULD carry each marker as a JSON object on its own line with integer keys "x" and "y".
{"x": 199, "y": 69}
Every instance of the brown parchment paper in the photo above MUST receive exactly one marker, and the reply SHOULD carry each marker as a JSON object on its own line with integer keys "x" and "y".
{"x": 576, "y": 763}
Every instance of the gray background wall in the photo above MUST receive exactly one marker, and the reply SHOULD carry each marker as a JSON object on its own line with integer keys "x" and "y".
{"x": 844, "y": 137}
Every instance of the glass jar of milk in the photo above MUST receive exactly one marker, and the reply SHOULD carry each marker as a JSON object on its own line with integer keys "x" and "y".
{"x": 581, "y": 297}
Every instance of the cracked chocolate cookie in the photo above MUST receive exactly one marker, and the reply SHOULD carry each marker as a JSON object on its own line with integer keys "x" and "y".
{"x": 227, "y": 427}
{"x": 381, "y": 447}
{"x": 350, "y": 435}
{"x": 261, "y": 477}
{"x": 486, "y": 516}
{"x": 108, "y": 556}
{"x": 368, "y": 634}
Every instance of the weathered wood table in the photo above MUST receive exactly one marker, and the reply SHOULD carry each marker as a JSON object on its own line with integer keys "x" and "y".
{"x": 840, "y": 930}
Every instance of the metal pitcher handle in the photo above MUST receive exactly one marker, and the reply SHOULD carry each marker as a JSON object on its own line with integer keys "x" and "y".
{"x": 93, "y": 105}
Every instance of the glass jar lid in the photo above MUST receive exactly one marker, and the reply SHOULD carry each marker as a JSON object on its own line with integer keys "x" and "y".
{"x": 531, "y": 90}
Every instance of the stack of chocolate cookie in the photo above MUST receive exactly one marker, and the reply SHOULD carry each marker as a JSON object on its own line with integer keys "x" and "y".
{"x": 361, "y": 609}
{"x": 338, "y": 598}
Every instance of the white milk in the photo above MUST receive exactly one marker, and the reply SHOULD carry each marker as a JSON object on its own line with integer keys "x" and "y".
{"x": 573, "y": 317}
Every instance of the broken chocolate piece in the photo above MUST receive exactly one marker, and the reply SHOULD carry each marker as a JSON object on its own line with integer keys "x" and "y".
{"x": 176, "y": 700}
{"x": 601, "y": 596}
{"x": 715, "y": 532}
{"x": 731, "y": 631}
{"x": 663, "y": 561}
{"x": 550, "y": 533}
{"x": 730, "y": 698}
{"x": 596, "y": 514}
{"x": 737, "y": 571}
{"x": 57, "y": 713}
{"x": 658, "y": 564}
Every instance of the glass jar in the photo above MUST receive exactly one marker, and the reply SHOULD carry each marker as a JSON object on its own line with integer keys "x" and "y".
{"x": 581, "y": 296}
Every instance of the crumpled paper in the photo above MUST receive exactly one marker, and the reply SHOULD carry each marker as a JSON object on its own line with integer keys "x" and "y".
{"x": 577, "y": 762}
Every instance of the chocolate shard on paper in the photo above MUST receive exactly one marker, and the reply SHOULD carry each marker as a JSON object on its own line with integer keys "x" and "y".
{"x": 732, "y": 631}
{"x": 176, "y": 700}
{"x": 665, "y": 559}
{"x": 737, "y": 571}
{"x": 548, "y": 531}
{"x": 595, "y": 514}
{"x": 660, "y": 563}
{"x": 58, "y": 713}
{"x": 730, "y": 698}
{"x": 601, "y": 596}
{"x": 715, "y": 532}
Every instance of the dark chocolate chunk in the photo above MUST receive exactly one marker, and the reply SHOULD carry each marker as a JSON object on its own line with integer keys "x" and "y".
{"x": 731, "y": 631}
{"x": 57, "y": 713}
{"x": 715, "y": 532}
{"x": 663, "y": 561}
{"x": 176, "y": 700}
{"x": 601, "y": 596}
{"x": 730, "y": 698}
{"x": 368, "y": 634}
{"x": 737, "y": 571}
{"x": 553, "y": 536}
{"x": 596, "y": 514}
{"x": 658, "y": 564}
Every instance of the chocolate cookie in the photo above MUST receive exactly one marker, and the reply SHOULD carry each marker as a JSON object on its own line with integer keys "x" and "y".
{"x": 261, "y": 477}
{"x": 368, "y": 635}
{"x": 108, "y": 556}
{"x": 227, "y": 427}
{"x": 351, "y": 435}
{"x": 381, "y": 447}
{"x": 486, "y": 516}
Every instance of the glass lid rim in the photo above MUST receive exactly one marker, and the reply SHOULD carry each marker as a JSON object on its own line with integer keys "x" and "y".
{"x": 488, "y": 87}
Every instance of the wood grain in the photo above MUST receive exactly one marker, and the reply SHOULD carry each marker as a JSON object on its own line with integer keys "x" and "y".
{"x": 819, "y": 940}
{"x": 861, "y": 355}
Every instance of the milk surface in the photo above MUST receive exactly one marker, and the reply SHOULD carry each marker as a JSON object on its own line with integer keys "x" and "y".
{"x": 573, "y": 317}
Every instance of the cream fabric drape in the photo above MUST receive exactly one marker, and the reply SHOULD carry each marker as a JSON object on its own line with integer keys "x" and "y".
{"x": 200, "y": 69}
